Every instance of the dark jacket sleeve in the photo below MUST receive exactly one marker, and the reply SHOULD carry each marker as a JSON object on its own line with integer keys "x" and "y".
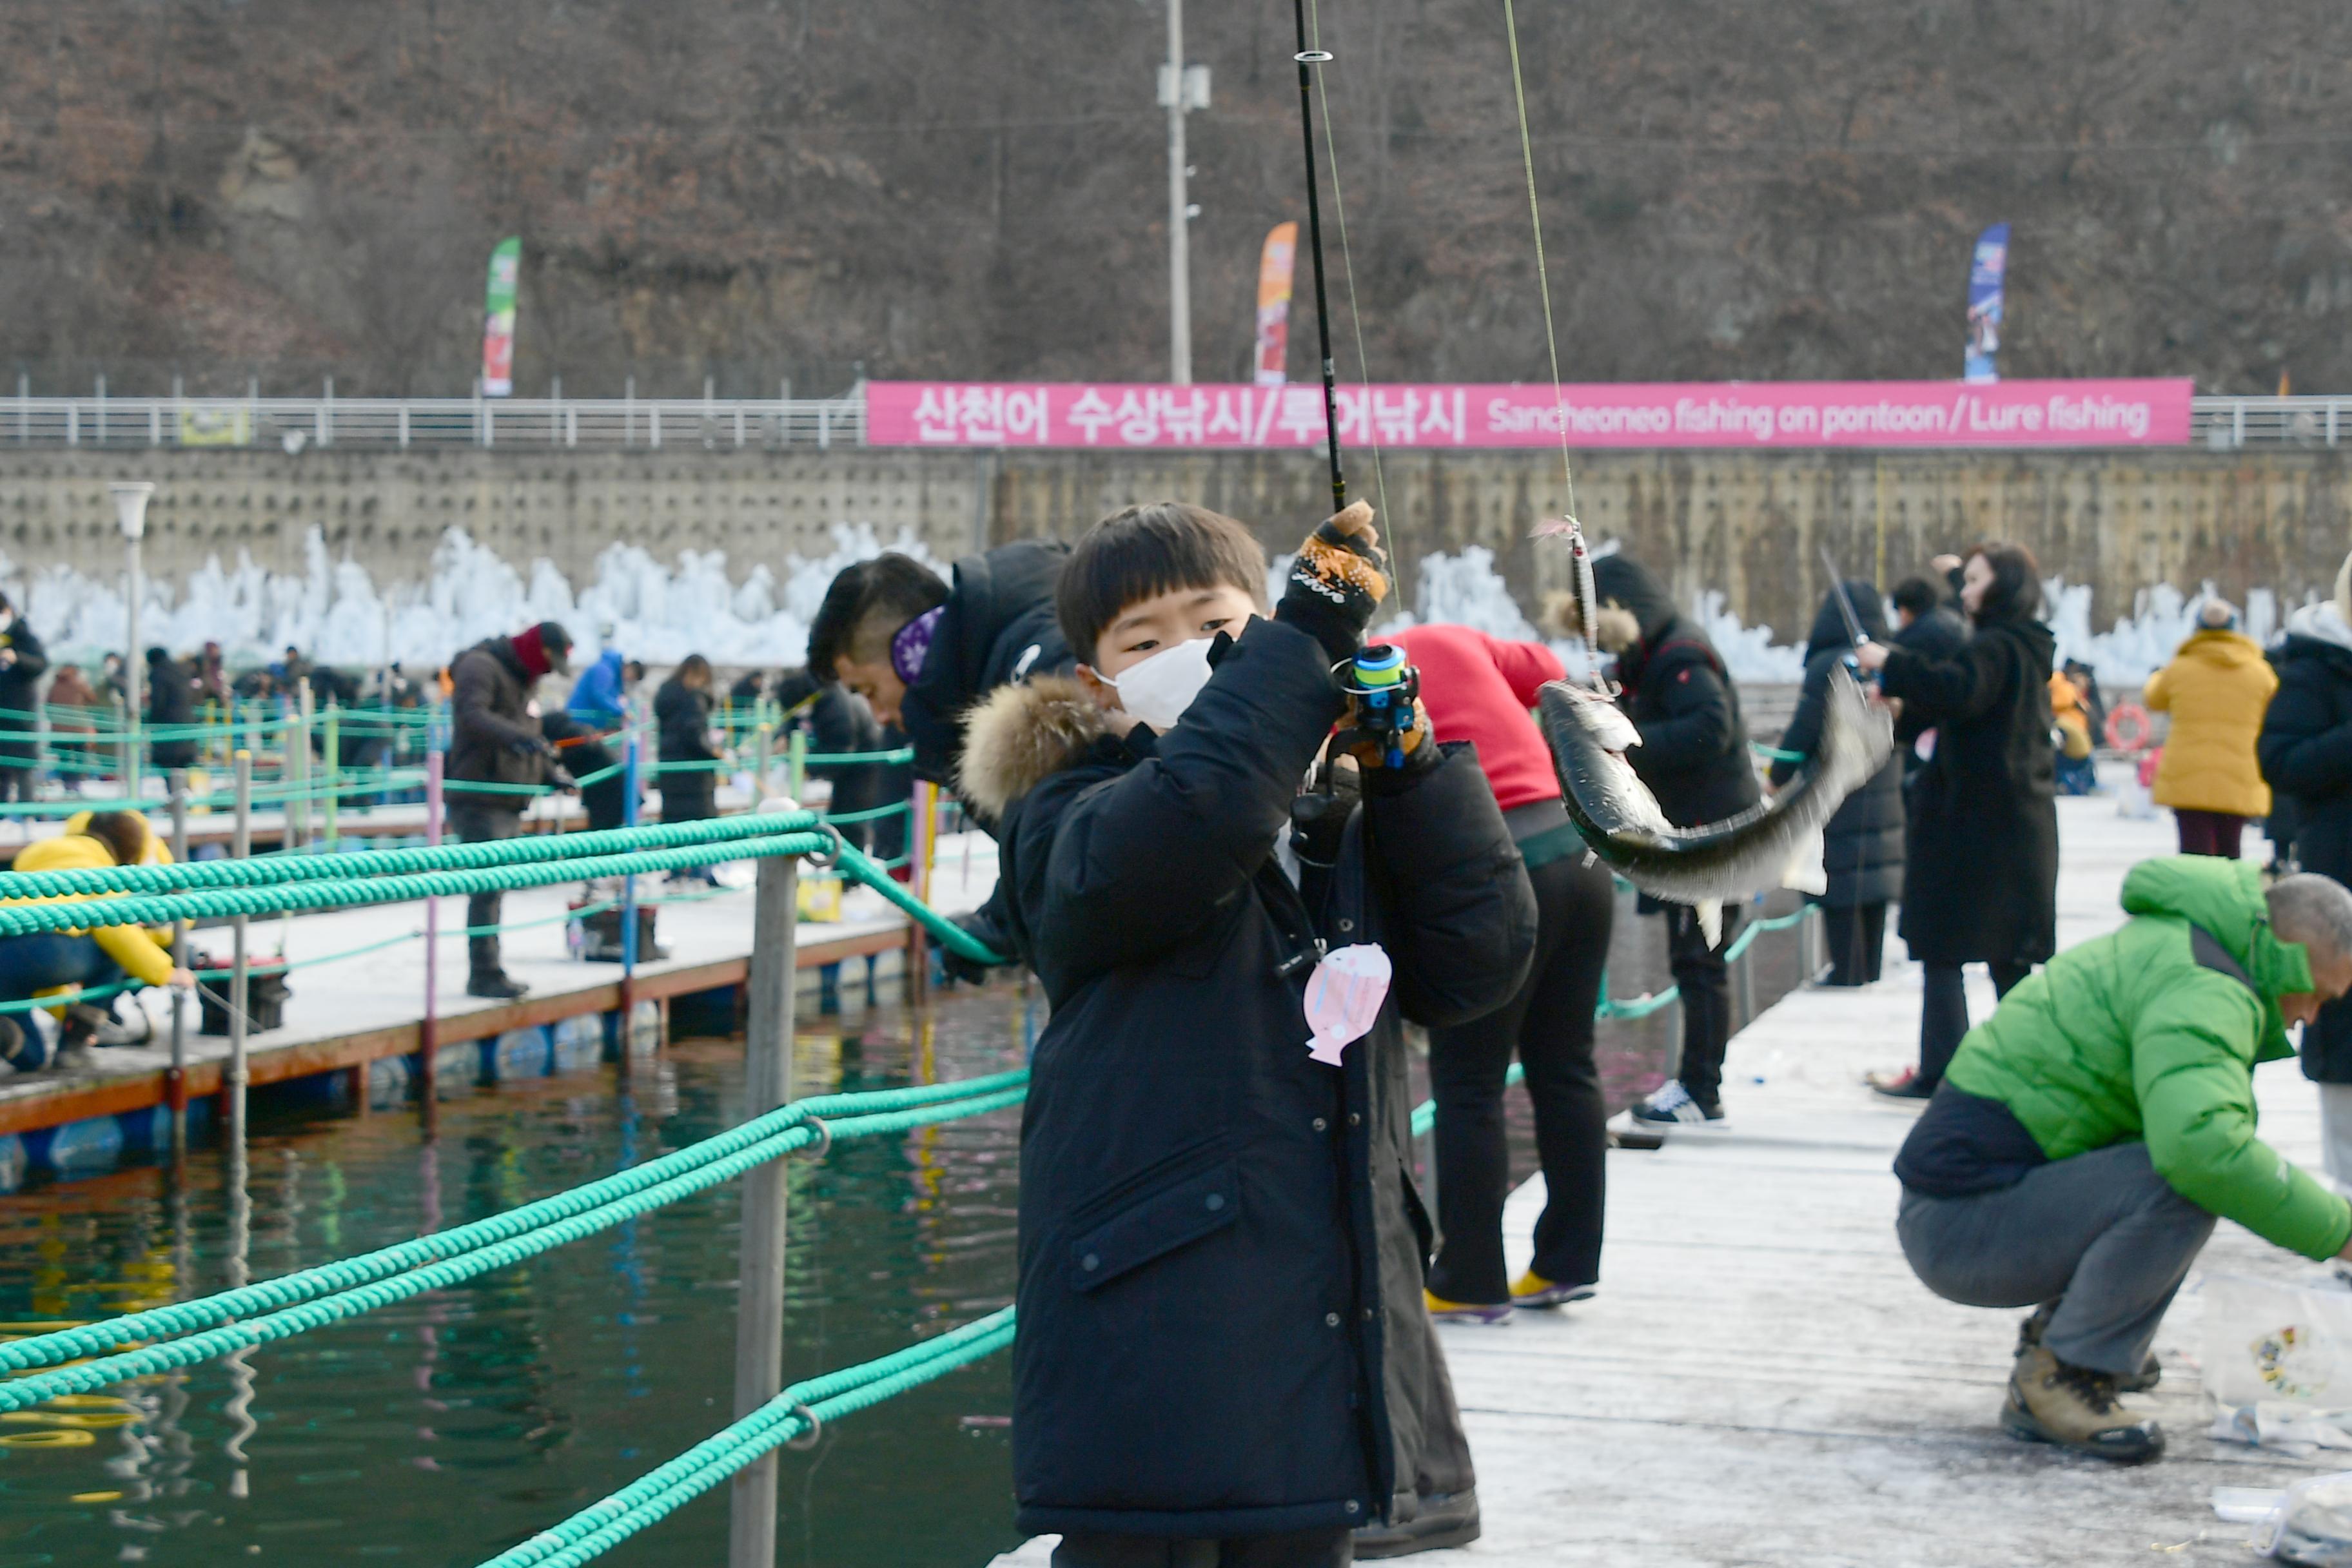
{"x": 1459, "y": 912}
{"x": 472, "y": 718}
{"x": 1804, "y": 730}
{"x": 32, "y": 658}
{"x": 2303, "y": 750}
{"x": 1966, "y": 686}
{"x": 1696, "y": 723}
{"x": 1145, "y": 861}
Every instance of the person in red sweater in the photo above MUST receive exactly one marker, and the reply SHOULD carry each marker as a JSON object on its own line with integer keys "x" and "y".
{"x": 1481, "y": 689}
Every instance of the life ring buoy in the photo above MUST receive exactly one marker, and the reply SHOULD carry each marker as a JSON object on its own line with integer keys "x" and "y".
{"x": 2129, "y": 728}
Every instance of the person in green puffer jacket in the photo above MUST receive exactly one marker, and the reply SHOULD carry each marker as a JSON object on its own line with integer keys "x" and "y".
{"x": 2089, "y": 1133}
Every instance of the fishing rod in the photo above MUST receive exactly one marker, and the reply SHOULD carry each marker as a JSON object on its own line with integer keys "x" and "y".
{"x": 1854, "y": 631}
{"x": 1306, "y": 58}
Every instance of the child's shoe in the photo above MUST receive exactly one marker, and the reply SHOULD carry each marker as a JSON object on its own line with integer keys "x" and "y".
{"x": 1673, "y": 1104}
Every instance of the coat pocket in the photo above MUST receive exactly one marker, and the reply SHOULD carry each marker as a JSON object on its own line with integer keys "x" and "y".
{"x": 1173, "y": 1214}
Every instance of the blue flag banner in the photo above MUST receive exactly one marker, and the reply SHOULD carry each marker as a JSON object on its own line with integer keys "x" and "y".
{"x": 1985, "y": 274}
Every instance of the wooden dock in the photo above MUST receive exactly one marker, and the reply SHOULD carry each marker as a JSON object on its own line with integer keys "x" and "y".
{"x": 353, "y": 1028}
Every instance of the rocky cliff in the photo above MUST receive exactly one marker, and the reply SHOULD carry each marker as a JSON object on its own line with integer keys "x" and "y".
{"x": 754, "y": 189}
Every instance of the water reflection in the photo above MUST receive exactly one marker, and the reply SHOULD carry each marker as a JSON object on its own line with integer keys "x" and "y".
{"x": 446, "y": 1427}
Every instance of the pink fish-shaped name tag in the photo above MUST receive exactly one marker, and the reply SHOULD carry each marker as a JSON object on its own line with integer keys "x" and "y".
{"x": 1343, "y": 998}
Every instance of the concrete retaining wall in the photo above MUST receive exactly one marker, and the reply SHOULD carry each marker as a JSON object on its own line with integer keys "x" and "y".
{"x": 1751, "y": 524}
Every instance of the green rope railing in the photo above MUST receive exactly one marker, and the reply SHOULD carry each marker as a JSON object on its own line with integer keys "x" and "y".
{"x": 341, "y": 1302}
{"x": 194, "y": 875}
{"x": 653, "y": 1496}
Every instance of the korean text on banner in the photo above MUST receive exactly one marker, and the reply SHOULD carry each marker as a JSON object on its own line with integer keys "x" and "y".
{"x": 2105, "y": 413}
{"x": 499, "y": 320}
{"x": 1273, "y": 276}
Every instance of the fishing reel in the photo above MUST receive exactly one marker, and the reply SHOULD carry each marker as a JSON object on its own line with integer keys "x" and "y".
{"x": 1382, "y": 691}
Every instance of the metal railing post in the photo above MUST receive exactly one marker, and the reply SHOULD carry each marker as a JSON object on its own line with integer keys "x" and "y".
{"x": 632, "y": 777}
{"x": 428, "y": 1031}
{"x": 2237, "y": 422}
{"x": 332, "y": 758}
{"x": 240, "y": 846}
{"x": 297, "y": 771}
{"x": 760, "y": 1289}
{"x": 175, "y": 1079}
{"x": 796, "y": 779}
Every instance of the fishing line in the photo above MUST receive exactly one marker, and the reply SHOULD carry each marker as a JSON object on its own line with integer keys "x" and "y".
{"x": 1543, "y": 278}
{"x": 1355, "y": 314}
{"x": 1306, "y": 57}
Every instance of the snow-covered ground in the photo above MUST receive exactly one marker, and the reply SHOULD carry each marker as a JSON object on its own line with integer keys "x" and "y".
{"x": 1762, "y": 1380}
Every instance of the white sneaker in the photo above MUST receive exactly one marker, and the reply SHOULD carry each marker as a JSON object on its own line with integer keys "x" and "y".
{"x": 1673, "y": 1104}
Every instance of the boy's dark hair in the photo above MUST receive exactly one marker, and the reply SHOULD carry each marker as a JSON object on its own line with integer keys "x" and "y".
{"x": 865, "y": 608}
{"x": 1147, "y": 549}
{"x": 123, "y": 833}
{"x": 1916, "y": 596}
{"x": 2015, "y": 594}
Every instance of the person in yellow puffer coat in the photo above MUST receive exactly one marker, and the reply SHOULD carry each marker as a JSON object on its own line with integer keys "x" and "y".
{"x": 2216, "y": 688}
{"x": 32, "y": 966}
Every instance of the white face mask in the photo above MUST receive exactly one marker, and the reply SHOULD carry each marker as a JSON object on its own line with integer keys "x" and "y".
{"x": 1157, "y": 690}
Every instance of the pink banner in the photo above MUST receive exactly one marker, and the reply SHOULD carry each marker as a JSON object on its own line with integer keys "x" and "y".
{"x": 2118, "y": 412}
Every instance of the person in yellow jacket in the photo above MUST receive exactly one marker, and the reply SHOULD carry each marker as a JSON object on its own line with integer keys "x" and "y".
{"x": 47, "y": 961}
{"x": 2216, "y": 688}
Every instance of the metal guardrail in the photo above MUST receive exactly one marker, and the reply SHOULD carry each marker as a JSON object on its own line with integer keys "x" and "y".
{"x": 2227, "y": 424}
{"x": 400, "y": 424}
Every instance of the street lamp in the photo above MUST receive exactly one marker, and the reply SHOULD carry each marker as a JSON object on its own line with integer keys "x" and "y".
{"x": 130, "y": 498}
{"x": 1183, "y": 89}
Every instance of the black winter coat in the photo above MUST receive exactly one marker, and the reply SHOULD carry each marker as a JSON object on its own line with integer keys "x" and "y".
{"x": 171, "y": 699}
{"x": 997, "y": 626}
{"x": 492, "y": 737}
{"x": 1940, "y": 634}
{"x": 1862, "y": 846}
{"x": 20, "y": 687}
{"x": 2305, "y": 753}
{"x": 682, "y": 716}
{"x": 1980, "y": 866}
{"x": 1222, "y": 1252}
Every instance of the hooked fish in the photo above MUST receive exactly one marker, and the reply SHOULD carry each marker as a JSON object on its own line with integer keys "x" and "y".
{"x": 1717, "y": 862}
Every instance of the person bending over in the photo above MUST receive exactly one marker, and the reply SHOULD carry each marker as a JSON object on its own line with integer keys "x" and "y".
{"x": 1224, "y": 1355}
{"x": 923, "y": 654}
{"x": 103, "y": 955}
{"x": 2088, "y": 1135}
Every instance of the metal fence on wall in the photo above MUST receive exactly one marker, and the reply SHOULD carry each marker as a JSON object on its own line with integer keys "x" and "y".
{"x": 400, "y": 424}
{"x": 378, "y": 423}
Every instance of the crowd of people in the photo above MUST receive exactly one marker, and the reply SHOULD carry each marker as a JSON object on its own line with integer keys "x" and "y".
{"x": 1228, "y": 1280}
{"x": 1138, "y": 692}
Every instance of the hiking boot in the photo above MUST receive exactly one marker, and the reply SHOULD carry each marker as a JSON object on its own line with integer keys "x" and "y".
{"x": 1443, "y": 1520}
{"x": 1532, "y": 1290}
{"x": 2030, "y": 1332}
{"x": 2074, "y": 1407}
{"x": 1488, "y": 1315}
{"x": 495, "y": 984}
{"x": 1674, "y": 1105}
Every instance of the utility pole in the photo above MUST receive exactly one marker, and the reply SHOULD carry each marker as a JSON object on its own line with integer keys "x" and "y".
{"x": 1183, "y": 89}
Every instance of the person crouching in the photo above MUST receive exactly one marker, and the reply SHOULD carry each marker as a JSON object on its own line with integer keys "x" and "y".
{"x": 2088, "y": 1135}
{"x": 1224, "y": 1354}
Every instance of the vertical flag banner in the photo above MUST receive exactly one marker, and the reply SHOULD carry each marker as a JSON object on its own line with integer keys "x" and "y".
{"x": 1273, "y": 270}
{"x": 499, "y": 320}
{"x": 1986, "y": 272}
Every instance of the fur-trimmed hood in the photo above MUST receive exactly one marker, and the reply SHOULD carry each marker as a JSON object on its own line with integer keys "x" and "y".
{"x": 1023, "y": 734}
